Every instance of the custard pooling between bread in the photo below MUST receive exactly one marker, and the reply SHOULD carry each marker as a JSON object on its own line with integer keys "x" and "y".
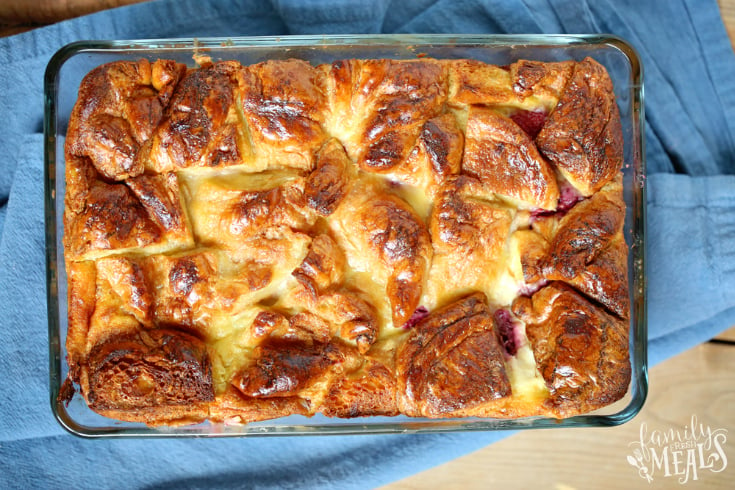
{"x": 433, "y": 238}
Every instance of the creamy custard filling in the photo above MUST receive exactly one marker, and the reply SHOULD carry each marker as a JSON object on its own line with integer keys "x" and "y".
{"x": 524, "y": 376}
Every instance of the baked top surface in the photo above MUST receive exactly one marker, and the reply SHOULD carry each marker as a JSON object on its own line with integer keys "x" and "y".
{"x": 437, "y": 238}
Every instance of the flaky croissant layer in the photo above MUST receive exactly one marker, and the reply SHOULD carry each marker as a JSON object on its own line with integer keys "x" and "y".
{"x": 433, "y": 238}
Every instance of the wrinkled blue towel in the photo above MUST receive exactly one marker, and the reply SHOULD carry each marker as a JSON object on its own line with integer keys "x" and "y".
{"x": 690, "y": 112}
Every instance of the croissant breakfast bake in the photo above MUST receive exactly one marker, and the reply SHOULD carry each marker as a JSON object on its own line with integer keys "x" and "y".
{"x": 433, "y": 238}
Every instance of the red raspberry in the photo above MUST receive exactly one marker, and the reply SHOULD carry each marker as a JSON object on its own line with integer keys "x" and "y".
{"x": 507, "y": 327}
{"x": 530, "y": 121}
{"x": 418, "y": 315}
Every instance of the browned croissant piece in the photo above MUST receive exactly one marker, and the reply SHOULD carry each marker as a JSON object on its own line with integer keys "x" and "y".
{"x": 383, "y": 104}
{"x": 583, "y": 136}
{"x": 125, "y": 283}
{"x": 581, "y": 351}
{"x": 199, "y": 128}
{"x": 604, "y": 278}
{"x": 438, "y": 151}
{"x": 227, "y": 215}
{"x": 105, "y": 217}
{"x": 322, "y": 276}
{"x": 393, "y": 243}
{"x": 430, "y": 238}
{"x": 469, "y": 234}
{"x": 120, "y": 105}
{"x": 436, "y": 154}
{"x": 152, "y": 292}
{"x": 283, "y": 106}
{"x": 185, "y": 289}
{"x": 473, "y": 82}
{"x": 585, "y": 230}
{"x": 356, "y": 318}
{"x": 371, "y": 390}
{"x": 158, "y": 375}
{"x": 586, "y": 249}
{"x": 323, "y": 266}
{"x": 285, "y": 367}
{"x": 535, "y": 78}
{"x": 82, "y": 279}
{"x": 506, "y": 161}
{"x": 298, "y": 360}
{"x": 452, "y": 361}
{"x": 327, "y": 184}
{"x": 159, "y": 195}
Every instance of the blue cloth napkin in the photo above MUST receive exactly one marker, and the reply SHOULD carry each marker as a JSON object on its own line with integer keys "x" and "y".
{"x": 690, "y": 113}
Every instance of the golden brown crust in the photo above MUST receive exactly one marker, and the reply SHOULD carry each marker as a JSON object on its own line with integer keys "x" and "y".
{"x": 473, "y": 82}
{"x": 283, "y": 106}
{"x": 251, "y": 242}
{"x": 604, "y": 278}
{"x": 285, "y": 367}
{"x": 585, "y": 230}
{"x": 82, "y": 279}
{"x": 355, "y": 317}
{"x": 322, "y": 274}
{"x": 185, "y": 289}
{"x": 535, "y": 77}
{"x": 198, "y": 127}
{"x": 120, "y": 105}
{"x": 395, "y": 239}
{"x": 297, "y": 359}
{"x": 451, "y": 361}
{"x": 368, "y": 391}
{"x": 506, "y": 161}
{"x": 583, "y": 136}
{"x": 125, "y": 279}
{"x": 586, "y": 249}
{"x": 322, "y": 267}
{"x": 224, "y": 215}
{"x": 469, "y": 231}
{"x": 151, "y": 376}
{"x": 101, "y": 215}
{"x": 582, "y": 352}
{"x": 437, "y": 154}
{"x": 327, "y": 184}
{"x": 159, "y": 196}
{"x": 106, "y": 217}
{"x": 390, "y": 101}
{"x": 232, "y": 408}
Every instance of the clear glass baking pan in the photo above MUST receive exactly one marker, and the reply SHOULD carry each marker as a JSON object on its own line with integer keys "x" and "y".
{"x": 70, "y": 64}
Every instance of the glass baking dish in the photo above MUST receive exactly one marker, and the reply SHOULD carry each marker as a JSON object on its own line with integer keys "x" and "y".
{"x": 71, "y": 63}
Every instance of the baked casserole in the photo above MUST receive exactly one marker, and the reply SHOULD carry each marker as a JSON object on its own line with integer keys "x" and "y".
{"x": 432, "y": 238}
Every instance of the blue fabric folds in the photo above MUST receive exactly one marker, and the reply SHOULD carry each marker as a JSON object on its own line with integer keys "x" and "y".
{"x": 690, "y": 114}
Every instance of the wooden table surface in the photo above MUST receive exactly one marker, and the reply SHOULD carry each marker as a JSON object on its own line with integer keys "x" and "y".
{"x": 699, "y": 383}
